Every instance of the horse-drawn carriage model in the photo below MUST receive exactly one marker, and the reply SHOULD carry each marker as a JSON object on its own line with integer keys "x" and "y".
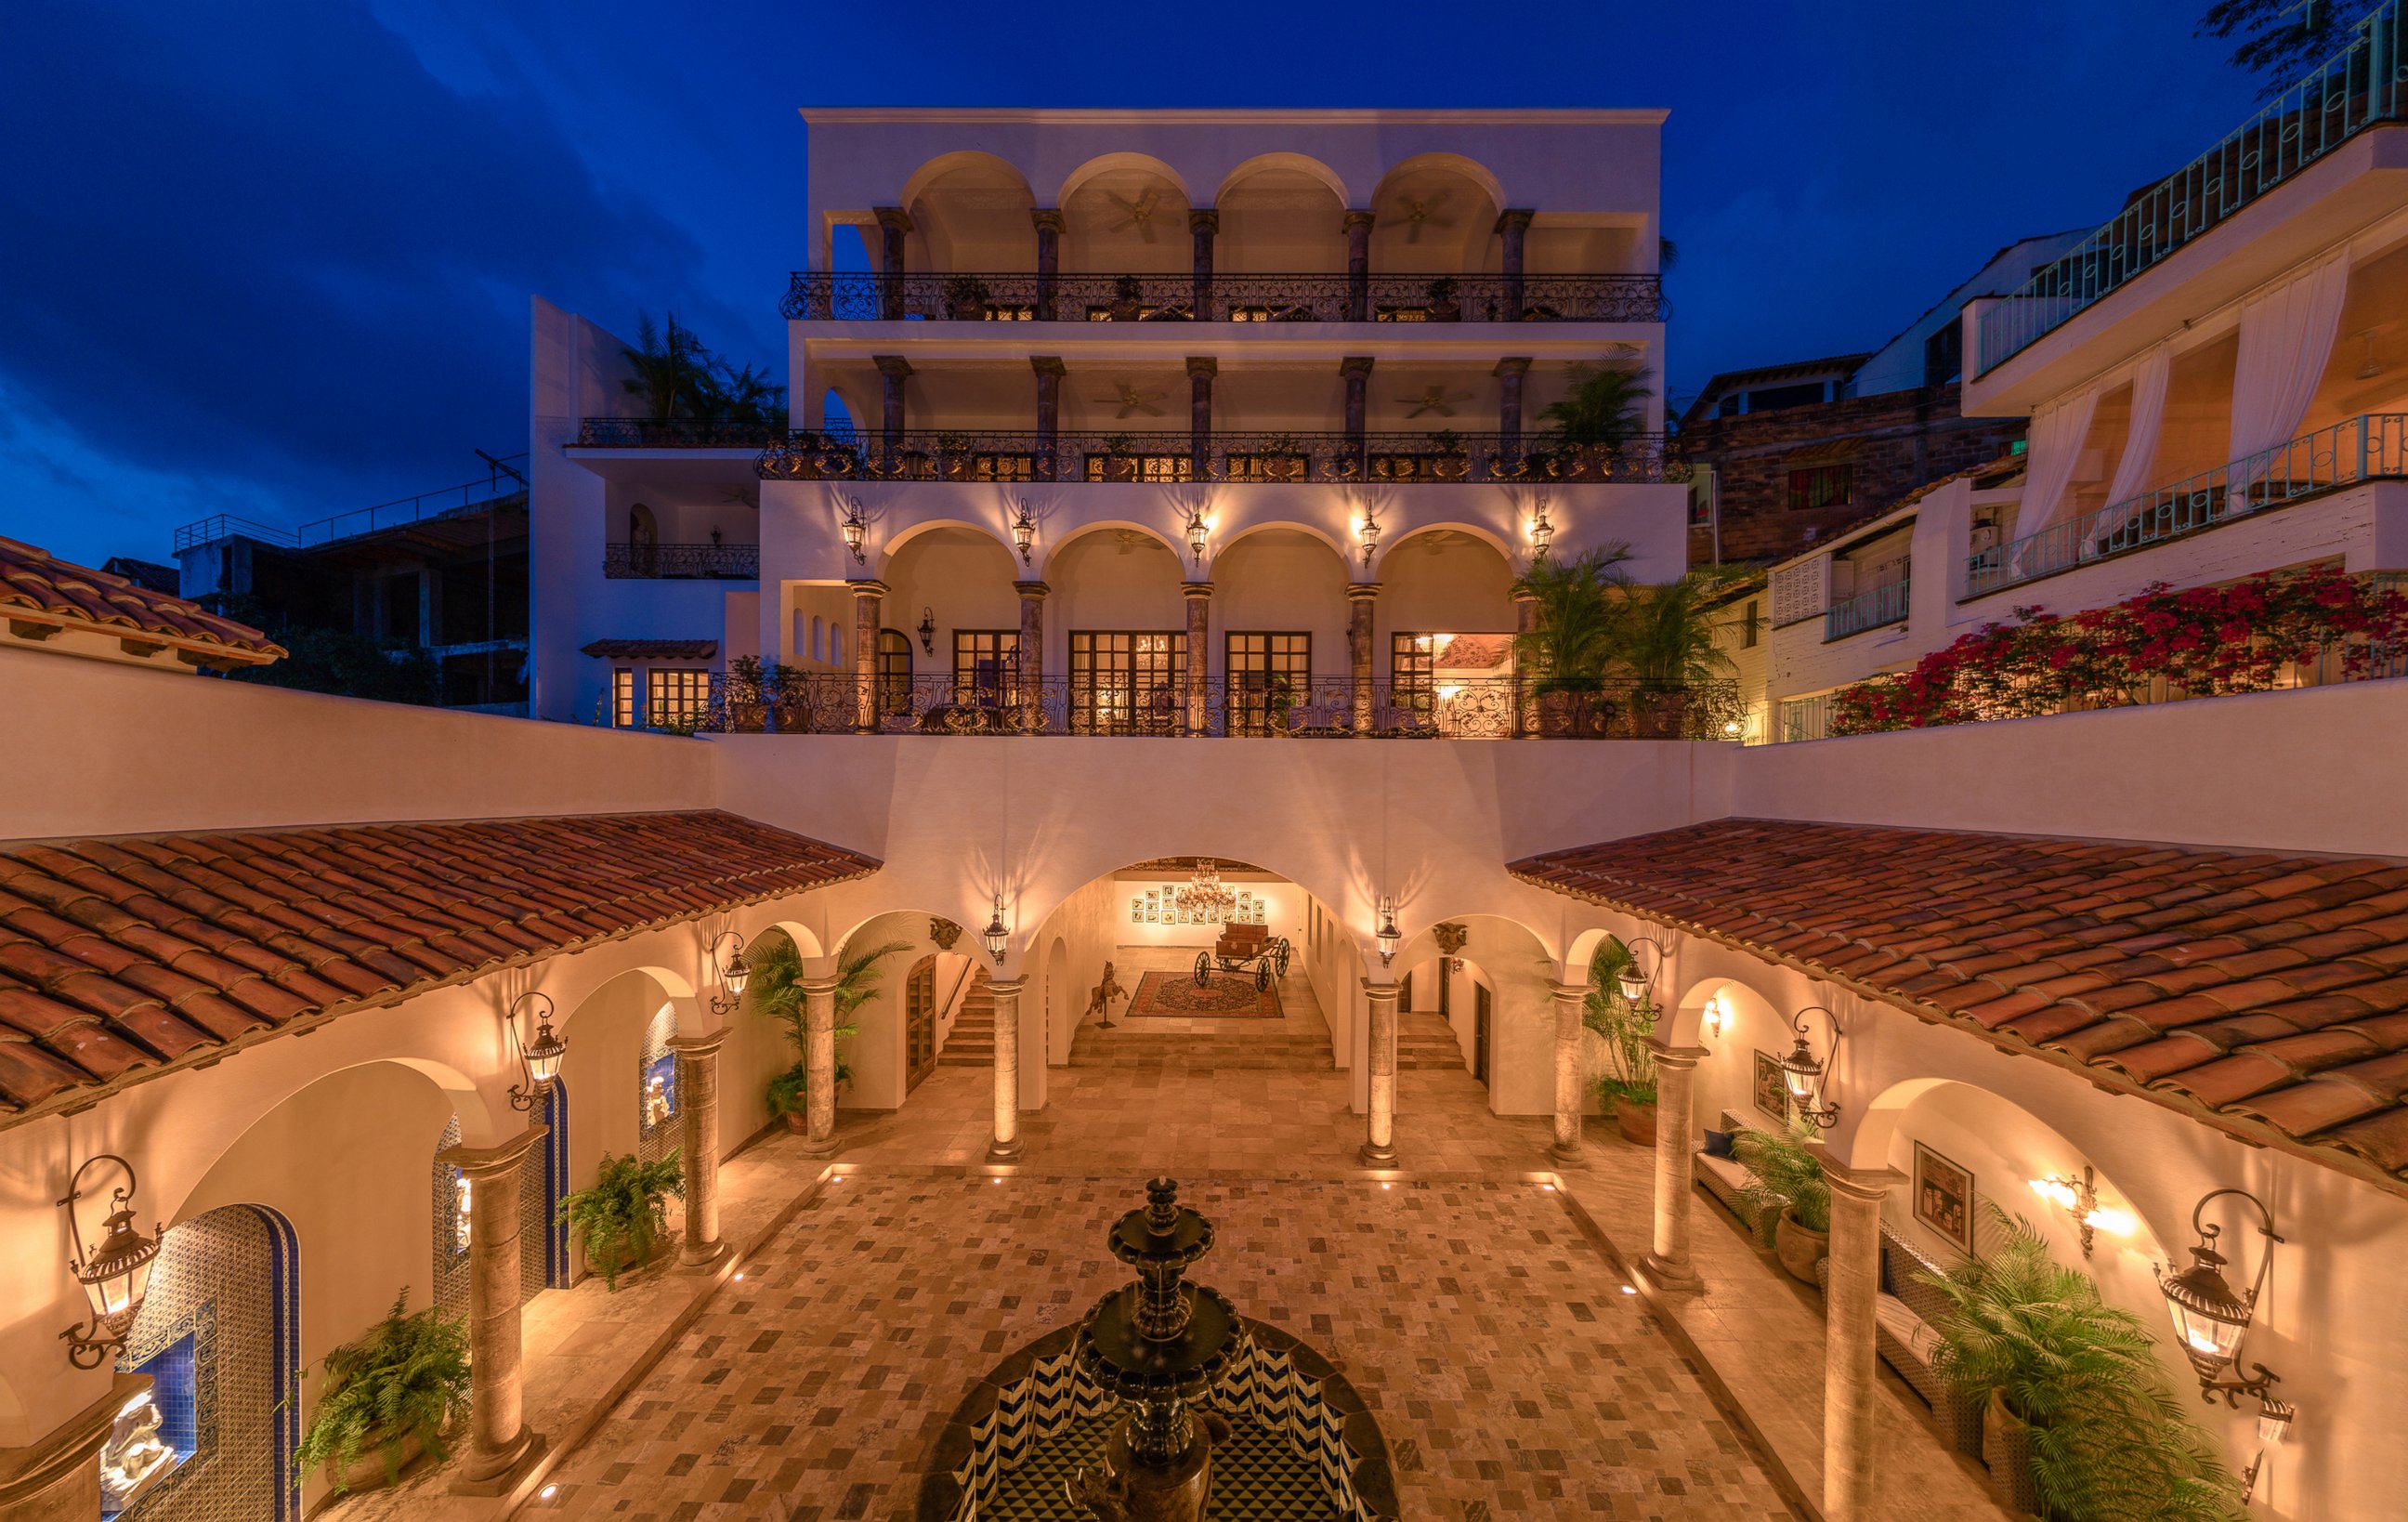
{"x": 1242, "y": 947}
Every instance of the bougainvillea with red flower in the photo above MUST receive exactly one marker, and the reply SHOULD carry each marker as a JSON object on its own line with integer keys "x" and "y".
{"x": 2242, "y": 637}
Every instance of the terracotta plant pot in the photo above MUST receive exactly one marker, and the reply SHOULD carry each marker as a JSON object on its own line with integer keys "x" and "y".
{"x": 2006, "y": 1452}
{"x": 1637, "y": 1124}
{"x": 797, "y": 1122}
{"x": 1799, "y": 1248}
{"x": 368, "y": 1473}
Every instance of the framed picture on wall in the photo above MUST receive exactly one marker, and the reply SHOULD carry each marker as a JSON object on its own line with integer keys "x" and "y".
{"x": 1136, "y": 911}
{"x": 1944, "y": 1196}
{"x": 1771, "y": 1094}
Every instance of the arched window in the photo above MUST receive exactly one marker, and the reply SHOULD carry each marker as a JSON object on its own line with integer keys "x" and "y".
{"x": 819, "y": 638}
{"x": 893, "y": 673}
{"x": 836, "y": 643}
{"x": 643, "y": 539}
{"x": 656, "y": 1094}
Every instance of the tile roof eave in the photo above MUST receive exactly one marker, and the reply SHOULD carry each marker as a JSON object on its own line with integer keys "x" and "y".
{"x": 207, "y": 652}
{"x": 2106, "y": 1079}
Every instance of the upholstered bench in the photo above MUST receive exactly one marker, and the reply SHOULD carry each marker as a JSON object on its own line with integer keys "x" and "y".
{"x": 1723, "y": 1178}
{"x": 1903, "y": 1335}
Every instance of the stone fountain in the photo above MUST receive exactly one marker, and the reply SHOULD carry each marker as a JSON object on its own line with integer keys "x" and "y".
{"x": 1160, "y": 1344}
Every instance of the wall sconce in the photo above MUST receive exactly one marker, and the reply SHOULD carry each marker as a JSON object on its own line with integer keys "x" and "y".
{"x": 1369, "y": 532}
{"x": 538, "y": 1059}
{"x": 1637, "y": 975}
{"x": 1199, "y": 533}
{"x": 114, "y": 1275}
{"x": 1024, "y": 529}
{"x": 1717, "y": 1015}
{"x": 1386, "y": 935}
{"x": 2210, "y": 1319}
{"x": 855, "y": 528}
{"x": 733, "y": 974}
{"x": 2274, "y": 1418}
{"x": 2079, "y": 1199}
{"x": 1543, "y": 533}
{"x": 929, "y": 630}
{"x": 1805, "y": 1076}
{"x": 995, "y": 935}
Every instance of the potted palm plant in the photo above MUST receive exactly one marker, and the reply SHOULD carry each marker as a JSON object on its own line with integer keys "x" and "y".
{"x": 1128, "y": 299}
{"x": 1626, "y": 1090}
{"x": 965, "y": 298}
{"x": 953, "y": 455}
{"x": 1449, "y": 459}
{"x": 1283, "y": 457}
{"x": 1788, "y": 1196}
{"x": 623, "y": 1220}
{"x": 1571, "y": 644}
{"x": 1666, "y": 641}
{"x": 391, "y": 1394}
{"x": 1119, "y": 457}
{"x": 1441, "y": 307}
{"x": 2076, "y": 1419}
{"x": 777, "y": 991}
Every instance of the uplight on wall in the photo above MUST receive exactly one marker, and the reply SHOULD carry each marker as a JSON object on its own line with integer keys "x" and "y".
{"x": 1717, "y": 1015}
{"x": 2079, "y": 1199}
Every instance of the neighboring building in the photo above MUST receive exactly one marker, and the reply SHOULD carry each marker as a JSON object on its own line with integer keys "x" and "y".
{"x": 1789, "y": 455}
{"x": 443, "y": 573}
{"x": 1245, "y": 333}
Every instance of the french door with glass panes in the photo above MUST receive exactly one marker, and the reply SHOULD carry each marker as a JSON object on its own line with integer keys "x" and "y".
{"x": 987, "y": 665}
{"x": 1269, "y": 676}
{"x": 1413, "y": 665}
{"x": 1127, "y": 682}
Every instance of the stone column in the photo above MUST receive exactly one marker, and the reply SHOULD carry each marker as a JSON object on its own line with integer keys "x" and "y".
{"x": 56, "y": 1477}
{"x": 1525, "y": 705}
{"x": 1007, "y": 1068}
{"x": 1676, "y": 1087}
{"x": 1511, "y": 226}
{"x": 1849, "y": 1386}
{"x": 1362, "y": 603}
{"x": 1200, "y": 654}
{"x": 698, "y": 1090}
{"x": 1379, "y": 1124}
{"x": 1203, "y": 223}
{"x": 1356, "y": 368}
{"x": 1358, "y": 266}
{"x": 866, "y": 598}
{"x": 1569, "y": 998}
{"x": 893, "y": 226}
{"x": 1031, "y": 664}
{"x": 500, "y": 1444}
{"x": 1201, "y": 368}
{"x": 1048, "y": 257}
{"x": 819, "y": 1062}
{"x": 1048, "y": 411}
{"x": 1509, "y": 374}
{"x": 894, "y": 369}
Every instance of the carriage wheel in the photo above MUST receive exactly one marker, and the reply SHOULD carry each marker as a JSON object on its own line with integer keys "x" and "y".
{"x": 1263, "y": 974}
{"x": 1283, "y": 956}
{"x": 1203, "y": 968}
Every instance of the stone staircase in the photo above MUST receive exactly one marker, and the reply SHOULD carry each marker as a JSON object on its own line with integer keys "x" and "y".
{"x": 1426, "y": 1040}
{"x": 971, "y": 1043}
{"x": 1138, "y": 1049}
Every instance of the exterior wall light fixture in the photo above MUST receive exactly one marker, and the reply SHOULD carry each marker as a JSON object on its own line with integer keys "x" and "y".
{"x": 1717, "y": 1015}
{"x": 2209, "y": 1317}
{"x": 1806, "y": 1075}
{"x": 112, "y": 1275}
{"x": 1369, "y": 534}
{"x": 732, "y": 973}
{"x": 995, "y": 935}
{"x": 2275, "y": 1419}
{"x": 1388, "y": 934}
{"x": 929, "y": 630}
{"x": 539, "y": 1059}
{"x": 1543, "y": 533}
{"x": 1023, "y": 528}
{"x": 2079, "y": 1199}
{"x": 1199, "y": 533}
{"x": 1637, "y": 975}
{"x": 855, "y": 528}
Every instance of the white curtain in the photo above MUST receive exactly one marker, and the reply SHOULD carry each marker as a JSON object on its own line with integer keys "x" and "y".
{"x": 2140, "y": 440}
{"x": 2287, "y": 336}
{"x": 2051, "y": 450}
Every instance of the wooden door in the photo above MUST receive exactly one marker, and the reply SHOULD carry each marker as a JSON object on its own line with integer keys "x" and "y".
{"x": 1482, "y": 1031}
{"x": 919, "y": 1023}
{"x": 1405, "y": 994}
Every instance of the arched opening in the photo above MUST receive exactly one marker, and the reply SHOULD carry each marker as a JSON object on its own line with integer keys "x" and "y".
{"x": 1481, "y": 1003}
{"x": 1280, "y": 602}
{"x": 1125, "y": 213}
{"x": 954, "y": 583}
{"x": 1121, "y": 625}
{"x": 619, "y": 1062}
{"x": 1444, "y": 632}
{"x": 969, "y": 213}
{"x": 894, "y": 673}
{"x": 1280, "y": 214}
{"x": 1436, "y": 214}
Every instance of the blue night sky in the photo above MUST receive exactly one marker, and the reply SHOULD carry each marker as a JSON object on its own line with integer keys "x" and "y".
{"x": 274, "y": 259}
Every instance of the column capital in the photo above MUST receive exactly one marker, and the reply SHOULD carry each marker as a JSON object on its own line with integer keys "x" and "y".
{"x": 1567, "y": 992}
{"x": 1514, "y": 364}
{"x": 702, "y": 1045}
{"x": 1008, "y": 987}
{"x": 1203, "y": 219}
{"x": 1362, "y": 591}
{"x": 1031, "y": 590}
{"x": 1868, "y": 1184}
{"x": 1353, "y": 365}
{"x": 869, "y": 586}
{"x": 1194, "y": 590}
{"x": 1513, "y": 219}
{"x": 1047, "y": 365}
{"x": 894, "y": 218}
{"x": 892, "y": 367}
{"x": 1355, "y": 219}
{"x": 482, "y": 1163}
{"x": 1521, "y": 594}
{"x": 1381, "y": 993}
{"x": 1045, "y": 219}
{"x": 818, "y": 987}
{"x": 1669, "y": 1055}
{"x": 1203, "y": 365}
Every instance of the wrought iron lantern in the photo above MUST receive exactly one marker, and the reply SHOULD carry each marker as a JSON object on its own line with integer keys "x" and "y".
{"x": 2211, "y": 1318}
{"x": 1387, "y": 935}
{"x": 855, "y": 528}
{"x": 995, "y": 935}
{"x": 1638, "y": 976}
{"x": 1199, "y": 533}
{"x": 733, "y": 973}
{"x": 1024, "y": 529}
{"x": 1806, "y": 1075}
{"x": 1369, "y": 532}
{"x": 114, "y": 1274}
{"x": 929, "y": 630}
{"x": 539, "y": 1059}
{"x": 1543, "y": 533}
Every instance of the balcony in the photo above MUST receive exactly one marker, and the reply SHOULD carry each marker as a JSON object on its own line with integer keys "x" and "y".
{"x": 2352, "y": 452}
{"x": 675, "y": 433}
{"x": 817, "y": 295}
{"x": 1867, "y": 611}
{"x": 795, "y": 702}
{"x": 2362, "y": 88}
{"x": 682, "y": 562}
{"x": 1160, "y": 457}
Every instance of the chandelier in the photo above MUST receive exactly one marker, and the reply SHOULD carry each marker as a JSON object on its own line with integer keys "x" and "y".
{"x": 1202, "y": 896}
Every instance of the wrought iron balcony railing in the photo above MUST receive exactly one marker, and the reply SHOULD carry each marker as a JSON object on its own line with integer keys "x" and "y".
{"x": 2362, "y": 88}
{"x": 2371, "y": 448}
{"x": 1169, "y": 459}
{"x": 1027, "y": 297}
{"x": 795, "y": 702}
{"x": 682, "y": 562}
{"x": 1868, "y": 609}
{"x": 675, "y": 433}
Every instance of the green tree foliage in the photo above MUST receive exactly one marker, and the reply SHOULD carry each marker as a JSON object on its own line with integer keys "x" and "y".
{"x": 777, "y": 991}
{"x": 347, "y": 665}
{"x": 677, "y": 376}
{"x": 406, "y": 1377}
{"x": 2282, "y": 40}
{"x": 1783, "y": 1173}
{"x": 1625, "y": 1025}
{"x": 625, "y": 1214}
{"x": 1606, "y": 406}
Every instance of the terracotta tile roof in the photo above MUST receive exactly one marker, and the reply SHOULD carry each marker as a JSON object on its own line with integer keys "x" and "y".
{"x": 653, "y": 650}
{"x": 122, "y": 956}
{"x": 38, "y": 588}
{"x": 2264, "y": 993}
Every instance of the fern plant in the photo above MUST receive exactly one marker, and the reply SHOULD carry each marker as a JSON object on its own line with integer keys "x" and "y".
{"x": 624, "y": 1216}
{"x": 1783, "y": 1173}
{"x": 2109, "y": 1442}
{"x": 407, "y": 1377}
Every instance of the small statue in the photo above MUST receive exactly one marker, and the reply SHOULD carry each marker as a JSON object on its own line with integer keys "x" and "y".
{"x": 1101, "y": 1000}
{"x": 1104, "y": 1495}
{"x": 134, "y": 1456}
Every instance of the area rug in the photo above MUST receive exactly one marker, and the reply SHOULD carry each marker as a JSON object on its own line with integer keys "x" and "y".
{"x": 1229, "y": 996}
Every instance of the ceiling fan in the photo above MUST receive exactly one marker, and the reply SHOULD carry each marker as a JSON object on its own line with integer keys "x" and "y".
{"x": 1436, "y": 399}
{"x": 1133, "y": 398}
{"x": 1138, "y": 214}
{"x": 1423, "y": 211}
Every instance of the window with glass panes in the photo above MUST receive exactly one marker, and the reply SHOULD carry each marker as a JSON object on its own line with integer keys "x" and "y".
{"x": 623, "y": 698}
{"x": 1127, "y": 682}
{"x": 893, "y": 673}
{"x": 1413, "y": 665}
{"x": 1268, "y": 673}
{"x": 675, "y": 695}
{"x": 985, "y": 661}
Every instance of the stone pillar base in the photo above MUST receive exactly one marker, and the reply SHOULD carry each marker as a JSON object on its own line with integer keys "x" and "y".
{"x": 701, "y": 1255}
{"x": 1573, "y": 1156}
{"x": 495, "y": 1473}
{"x": 1672, "y": 1276}
{"x": 1375, "y": 1155}
{"x": 1003, "y": 1152}
{"x": 809, "y": 1148}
